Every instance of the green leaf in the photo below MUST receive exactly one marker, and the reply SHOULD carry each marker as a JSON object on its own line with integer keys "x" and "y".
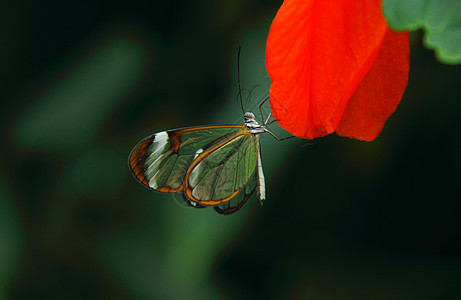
{"x": 404, "y": 14}
{"x": 440, "y": 19}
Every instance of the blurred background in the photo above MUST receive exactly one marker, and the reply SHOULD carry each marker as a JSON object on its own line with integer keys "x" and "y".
{"x": 82, "y": 82}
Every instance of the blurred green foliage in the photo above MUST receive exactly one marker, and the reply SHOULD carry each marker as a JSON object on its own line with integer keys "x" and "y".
{"x": 100, "y": 81}
{"x": 83, "y": 82}
{"x": 11, "y": 239}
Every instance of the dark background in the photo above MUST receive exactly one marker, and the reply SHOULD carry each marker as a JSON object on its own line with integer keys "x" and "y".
{"x": 83, "y": 82}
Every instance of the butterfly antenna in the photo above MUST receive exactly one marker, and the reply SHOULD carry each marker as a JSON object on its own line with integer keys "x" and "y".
{"x": 238, "y": 80}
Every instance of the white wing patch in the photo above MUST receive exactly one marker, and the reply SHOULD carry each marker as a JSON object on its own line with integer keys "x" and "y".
{"x": 159, "y": 145}
{"x": 198, "y": 153}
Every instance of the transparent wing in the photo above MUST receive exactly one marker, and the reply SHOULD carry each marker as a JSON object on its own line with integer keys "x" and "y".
{"x": 218, "y": 174}
{"x": 234, "y": 204}
{"x": 161, "y": 161}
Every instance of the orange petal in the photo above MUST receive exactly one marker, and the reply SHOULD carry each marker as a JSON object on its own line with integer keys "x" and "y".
{"x": 379, "y": 93}
{"x": 317, "y": 53}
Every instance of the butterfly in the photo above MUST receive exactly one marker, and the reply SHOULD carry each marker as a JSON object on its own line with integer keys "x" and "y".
{"x": 218, "y": 166}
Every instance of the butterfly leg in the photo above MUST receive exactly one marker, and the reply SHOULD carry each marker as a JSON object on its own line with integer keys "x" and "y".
{"x": 278, "y": 139}
{"x": 261, "y": 110}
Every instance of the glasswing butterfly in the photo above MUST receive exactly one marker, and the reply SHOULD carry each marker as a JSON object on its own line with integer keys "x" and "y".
{"x": 217, "y": 166}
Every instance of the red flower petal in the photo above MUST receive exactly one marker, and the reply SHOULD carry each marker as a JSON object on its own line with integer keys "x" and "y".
{"x": 317, "y": 54}
{"x": 379, "y": 93}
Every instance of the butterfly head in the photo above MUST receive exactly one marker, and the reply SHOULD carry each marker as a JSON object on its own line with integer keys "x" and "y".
{"x": 249, "y": 117}
{"x": 253, "y": 125}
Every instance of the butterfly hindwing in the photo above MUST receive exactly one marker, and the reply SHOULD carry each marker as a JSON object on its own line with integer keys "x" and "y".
{"x": 219, "y": 173}
{"x": 234, "y": 204}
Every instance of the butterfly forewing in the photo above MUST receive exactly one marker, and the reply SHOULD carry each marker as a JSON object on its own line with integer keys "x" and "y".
{"x": 161, "y": 161}
{"x": 219, "y": 173}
